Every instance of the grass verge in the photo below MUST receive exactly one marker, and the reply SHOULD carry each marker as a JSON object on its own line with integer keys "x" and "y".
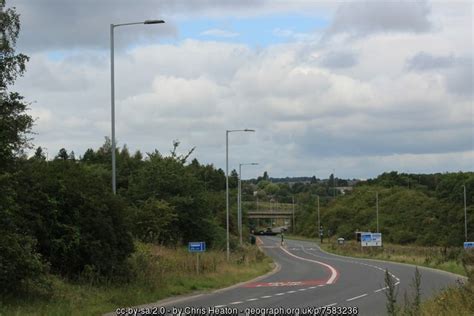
{"x": 446, "y": 259}
{"x": 457, "y": 300}
{"x": 158, "y": 272}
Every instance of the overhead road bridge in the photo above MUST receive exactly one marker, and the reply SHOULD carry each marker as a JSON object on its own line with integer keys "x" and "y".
{"x": 269, "y": 214}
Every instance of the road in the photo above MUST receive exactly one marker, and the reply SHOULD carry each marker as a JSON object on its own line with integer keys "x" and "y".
{"x": 308, "y": 276}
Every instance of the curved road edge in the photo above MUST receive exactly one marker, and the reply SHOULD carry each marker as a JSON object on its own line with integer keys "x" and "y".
{"x": 464, "y": 278}
{"x": 189, "y": 296}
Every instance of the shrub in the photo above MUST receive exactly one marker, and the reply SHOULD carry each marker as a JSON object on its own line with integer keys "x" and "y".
{"x": 21, "y": 267}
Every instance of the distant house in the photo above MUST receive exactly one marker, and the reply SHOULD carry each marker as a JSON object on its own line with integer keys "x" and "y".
{"x": 344, "y": 190}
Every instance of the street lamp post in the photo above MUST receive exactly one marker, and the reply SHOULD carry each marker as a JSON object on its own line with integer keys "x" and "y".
{"x": 239, "y": 198}
{"x": 112, "y": 91}
{"x": 227, "y": 181}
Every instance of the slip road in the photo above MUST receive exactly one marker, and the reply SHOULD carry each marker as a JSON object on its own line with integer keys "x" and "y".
{"x": 309, "y": 277}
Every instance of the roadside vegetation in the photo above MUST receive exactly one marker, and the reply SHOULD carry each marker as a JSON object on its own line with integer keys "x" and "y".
{"x": 68, "y": 245}
{"x": 455, "y": 300}
{"x": 156, "y": 272}
{"x": 443, "y": 258}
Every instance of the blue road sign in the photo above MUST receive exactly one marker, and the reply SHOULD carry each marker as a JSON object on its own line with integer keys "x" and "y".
{"x": 197, "y": 246}
{"x": 366, "y": 237}
{"x": 371, "y": 239}
{"x": 469, "y": 245}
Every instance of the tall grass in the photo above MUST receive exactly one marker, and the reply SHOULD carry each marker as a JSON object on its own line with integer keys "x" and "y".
{"x": 156, "y": 273}
{"x": 457, "y": 300}
{"x": 443, "y": 258}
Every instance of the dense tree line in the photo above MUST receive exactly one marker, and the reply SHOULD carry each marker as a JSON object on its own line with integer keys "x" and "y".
{"x": 426, "y": 209}
{"x": 64, "y": 218}
{"x": 59, "y": 216}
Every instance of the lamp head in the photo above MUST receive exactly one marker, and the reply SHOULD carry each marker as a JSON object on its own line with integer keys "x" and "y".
{"x": 153, "y": 22}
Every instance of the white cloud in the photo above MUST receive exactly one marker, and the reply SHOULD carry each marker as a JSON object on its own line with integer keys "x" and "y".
{"x": 311, "y": 113}
{"x": 365, "y": 17}
{"x": 219, "y": 33}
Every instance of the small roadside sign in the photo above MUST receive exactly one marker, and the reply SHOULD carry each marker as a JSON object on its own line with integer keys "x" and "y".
{"x": 197, "y": 246}
{"x": 469, "y": 245}
{"x": 371, "y": 239}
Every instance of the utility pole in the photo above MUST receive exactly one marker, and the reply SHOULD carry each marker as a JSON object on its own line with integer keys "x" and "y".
{"x": 293, "y": 225}
{"x": 319, "y": 217}
{"x": 239, "y": 199}
{"x": 377, "y": 207}
{"x": 465, "y": 214}
{"x": 334, "y": 182}
{"x": 239, "y": 209}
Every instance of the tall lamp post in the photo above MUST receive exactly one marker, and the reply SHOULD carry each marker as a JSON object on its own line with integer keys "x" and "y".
{"x": 239, "y": 198}
{"x": 227, "y": 180}
{"x": 112, "y": 90}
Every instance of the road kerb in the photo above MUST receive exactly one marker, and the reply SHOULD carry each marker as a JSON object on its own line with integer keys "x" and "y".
{"x": 186, "y": 297}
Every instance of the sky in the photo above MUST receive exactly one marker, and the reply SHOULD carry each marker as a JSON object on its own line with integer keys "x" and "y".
{"x": 355, "y": 87}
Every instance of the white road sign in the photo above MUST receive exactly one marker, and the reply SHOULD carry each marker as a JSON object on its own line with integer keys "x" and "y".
{"x": 371, "y": 239}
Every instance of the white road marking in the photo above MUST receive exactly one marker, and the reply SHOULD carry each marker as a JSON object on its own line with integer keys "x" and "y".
{"x": 266, "y": 296}
{"x": 355, "y": 262}
{"x": 251, "y": 300}
{"x": 278, "y": 294}
{"x": 301, "y": 290}
{"x": 354, "y": 298}
{"x": 219, "y": 306}
{"x": 235, "y": 303}
{"x": 333, "y": 271}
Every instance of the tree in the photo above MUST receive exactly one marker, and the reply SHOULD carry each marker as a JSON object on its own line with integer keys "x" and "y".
{"x": 15, "y": 124}
{"x": 154, "y": 222}
{"x": 39, "y": 154}
{"x": 62, "y": 154}
{"x": 89, "y": 155}
{"x": 12, "y": 65}
{"x": 76, "y": 220}
{"x": 21, "y": 266}
{"x": 233, "y": 179}
{"x": 180, "y": 158}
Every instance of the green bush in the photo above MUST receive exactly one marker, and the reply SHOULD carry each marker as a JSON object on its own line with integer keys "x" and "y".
{"x": 21, "y": 267}
{"x": 76, "y": 220}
